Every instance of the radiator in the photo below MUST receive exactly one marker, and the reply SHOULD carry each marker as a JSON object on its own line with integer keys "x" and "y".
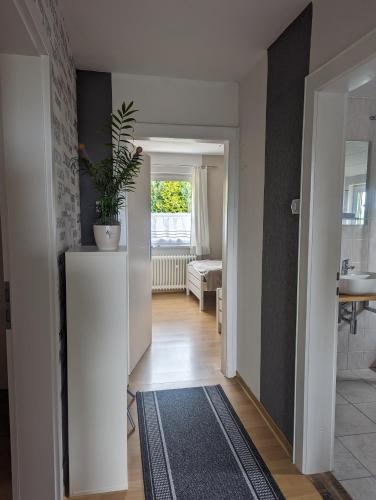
{"x": 170, "y": 272}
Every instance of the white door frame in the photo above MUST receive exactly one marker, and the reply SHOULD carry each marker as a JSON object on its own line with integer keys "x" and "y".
{"x": 29, "y": 238}
{"x": 139, "y": 269}
{"x": 32, "y": 470}
{"x": 230, "y": 136}
{"x": 319, "y": 250}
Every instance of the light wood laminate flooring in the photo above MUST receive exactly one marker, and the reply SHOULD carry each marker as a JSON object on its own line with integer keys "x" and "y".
{"x": 186, "y": 352}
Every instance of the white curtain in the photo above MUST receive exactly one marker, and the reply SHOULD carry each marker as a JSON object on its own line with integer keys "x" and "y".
{"x": 170, "y": 229}
{"x": 200, "y": 219}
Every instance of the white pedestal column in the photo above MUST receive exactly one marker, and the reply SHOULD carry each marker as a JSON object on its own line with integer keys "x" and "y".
{"x": 97, "y": 322}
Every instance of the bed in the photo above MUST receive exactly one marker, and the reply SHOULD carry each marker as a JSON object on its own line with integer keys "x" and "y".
{"x": 203, "y": 276}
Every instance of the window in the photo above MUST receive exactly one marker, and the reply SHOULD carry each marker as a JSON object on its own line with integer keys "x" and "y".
{"x": 354, "y": 202}
{"x": 171, "y": 212}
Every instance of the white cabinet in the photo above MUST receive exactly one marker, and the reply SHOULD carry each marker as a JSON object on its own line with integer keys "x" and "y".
{"x": 97, "y": 325}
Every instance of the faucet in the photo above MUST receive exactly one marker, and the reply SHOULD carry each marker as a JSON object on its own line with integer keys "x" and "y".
{"x": 346, "y": 267}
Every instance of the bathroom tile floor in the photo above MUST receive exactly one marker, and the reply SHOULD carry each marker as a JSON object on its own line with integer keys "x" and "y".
{"x": 355, "y": 433}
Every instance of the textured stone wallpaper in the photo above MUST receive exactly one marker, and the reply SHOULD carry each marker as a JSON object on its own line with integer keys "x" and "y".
{"x": 66, "y": 179}
{"x": 64, "y": 125}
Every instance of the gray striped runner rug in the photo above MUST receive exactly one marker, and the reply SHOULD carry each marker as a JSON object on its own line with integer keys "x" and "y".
{"x": 194, "y": 447}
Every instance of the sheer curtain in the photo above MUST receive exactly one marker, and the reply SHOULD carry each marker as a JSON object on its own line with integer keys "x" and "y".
{"x": 200, "y": 219}
{"x": 170, "y": 229}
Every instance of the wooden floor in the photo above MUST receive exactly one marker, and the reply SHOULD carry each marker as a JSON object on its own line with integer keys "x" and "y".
{"x": 185, "y": 353}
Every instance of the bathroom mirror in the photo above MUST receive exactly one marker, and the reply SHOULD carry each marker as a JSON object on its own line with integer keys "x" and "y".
{"x": 354, "y": 209}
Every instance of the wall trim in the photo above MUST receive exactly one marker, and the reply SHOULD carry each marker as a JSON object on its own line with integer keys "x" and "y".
{"x": 281, "y": 438}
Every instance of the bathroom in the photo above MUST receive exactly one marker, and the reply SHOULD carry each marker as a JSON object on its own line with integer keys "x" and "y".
{"x": 355, "y": 422}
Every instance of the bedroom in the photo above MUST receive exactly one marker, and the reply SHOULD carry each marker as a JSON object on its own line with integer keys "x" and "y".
{"x": 186, "y": 231}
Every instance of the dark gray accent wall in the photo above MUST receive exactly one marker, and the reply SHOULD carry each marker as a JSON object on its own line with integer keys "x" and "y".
{"x": 288, "y": 64}
{"x": 94, "y": 105}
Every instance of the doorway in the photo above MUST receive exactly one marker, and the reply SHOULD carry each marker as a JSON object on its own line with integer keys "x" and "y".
{"x": 355, "y": 411}
{"x": 327, "y": 92}
{"x": 187, "y": 186}
{"x": 229, "y": 137}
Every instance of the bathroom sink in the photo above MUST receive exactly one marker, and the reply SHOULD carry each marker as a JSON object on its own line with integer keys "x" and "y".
{"x": 357, "y": 283}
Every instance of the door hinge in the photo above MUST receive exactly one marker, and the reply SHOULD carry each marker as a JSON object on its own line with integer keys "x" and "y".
{"x": 8, "y": 320}
{"x": 337, "y": 276}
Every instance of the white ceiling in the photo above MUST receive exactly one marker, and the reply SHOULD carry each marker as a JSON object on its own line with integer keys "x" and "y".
{"x": 180, "y": 146}
{"x": 199, "y": 39}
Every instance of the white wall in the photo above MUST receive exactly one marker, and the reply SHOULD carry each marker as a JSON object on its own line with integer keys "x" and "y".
{"x": 215, "y": 202}
{"x": 251, "y": 208}
{"x": 178, "y": 101}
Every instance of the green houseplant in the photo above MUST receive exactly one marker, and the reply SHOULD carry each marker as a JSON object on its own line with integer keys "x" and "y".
{"x": 114, "y": 176}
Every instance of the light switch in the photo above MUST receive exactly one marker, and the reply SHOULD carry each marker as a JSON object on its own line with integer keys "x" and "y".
{"x": 295, "y": 207}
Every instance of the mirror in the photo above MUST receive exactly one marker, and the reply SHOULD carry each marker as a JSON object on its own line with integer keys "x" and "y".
{"x": 354, "y": 208}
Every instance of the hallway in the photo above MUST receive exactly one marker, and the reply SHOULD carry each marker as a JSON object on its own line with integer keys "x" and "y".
{"x": 186, "y": 347}
{"x": 185, "y": 353}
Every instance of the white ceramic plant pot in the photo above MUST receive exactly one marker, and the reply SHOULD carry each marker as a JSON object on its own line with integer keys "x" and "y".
{"x": 107, "y": 237}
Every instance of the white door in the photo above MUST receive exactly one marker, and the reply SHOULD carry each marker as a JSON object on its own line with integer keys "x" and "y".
{"x": 139, "y": 262}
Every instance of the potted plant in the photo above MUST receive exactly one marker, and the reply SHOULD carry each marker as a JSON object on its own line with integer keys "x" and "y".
{"x": 113, "y": 176}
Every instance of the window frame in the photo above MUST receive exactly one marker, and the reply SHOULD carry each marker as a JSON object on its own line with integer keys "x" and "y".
{"x": 156, "y": 176}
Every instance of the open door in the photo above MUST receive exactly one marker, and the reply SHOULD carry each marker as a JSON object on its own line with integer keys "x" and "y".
{"x": 139, "y": 262}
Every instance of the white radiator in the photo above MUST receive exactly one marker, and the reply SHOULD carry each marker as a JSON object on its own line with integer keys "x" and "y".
{"x": 170, "y": 272}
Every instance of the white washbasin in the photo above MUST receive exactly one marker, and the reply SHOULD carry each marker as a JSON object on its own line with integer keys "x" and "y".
{"x": 357, "y": 283}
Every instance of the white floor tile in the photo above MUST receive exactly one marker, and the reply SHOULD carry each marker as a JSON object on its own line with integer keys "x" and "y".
{"x": 361, "y": 489}
{"x": 340, "y": 400}
{"x": 363, "y": 447}
{"x": 356, "y": 391}
{"x": 350, "y": 421}
{"x": 368, "y": 409}
{"x": 346, "y": 466}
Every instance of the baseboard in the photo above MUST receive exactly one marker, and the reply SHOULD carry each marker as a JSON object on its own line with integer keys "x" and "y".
{"x": 329, "y": 487}
{"x": 267, "y": 418}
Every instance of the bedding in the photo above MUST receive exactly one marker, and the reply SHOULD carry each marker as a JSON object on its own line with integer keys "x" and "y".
{"x": 211, "y": 270}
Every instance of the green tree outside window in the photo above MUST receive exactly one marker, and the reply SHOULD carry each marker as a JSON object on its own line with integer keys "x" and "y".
{"x": 171, "y": 196}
